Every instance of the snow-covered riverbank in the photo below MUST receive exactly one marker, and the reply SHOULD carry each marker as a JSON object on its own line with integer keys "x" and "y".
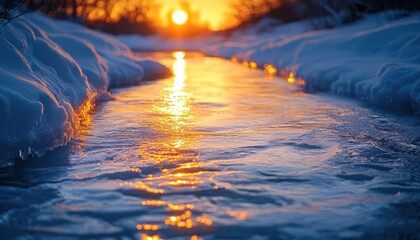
{"x": 376, "y": 59}
{"x": 51, "y": 74}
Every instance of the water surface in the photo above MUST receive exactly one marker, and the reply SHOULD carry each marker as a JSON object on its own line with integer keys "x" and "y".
{"x": 220, "y": 151}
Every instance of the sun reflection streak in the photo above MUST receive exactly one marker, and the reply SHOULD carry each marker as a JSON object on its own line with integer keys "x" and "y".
{"x": 171, "y": 121}
{"x": 176, "y": 102}
{"x": 180, "y": 165}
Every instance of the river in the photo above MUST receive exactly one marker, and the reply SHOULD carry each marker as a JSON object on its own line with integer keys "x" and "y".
{"x": 220, "y": 151}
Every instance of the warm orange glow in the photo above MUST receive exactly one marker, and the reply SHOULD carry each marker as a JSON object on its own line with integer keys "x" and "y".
{"x": 84, "y": 123}
{"x": 179, "y": 17}
{"x": 85, "y": 113}
{"x": 270, "y": 69}
{"x": 209, "y": 12}
{"x": 253, "y": 65}
{"x": 179, "y": 56}
{"x": 195, "y": 237}
{"x": 153, "y": 203}
{"x": 291, "y": 78}
{"x": 181, "y": 221}
{"x": 238, "y": 215}
{"x": 180, "y": 207}
{"x": 143, "y": 187}
{"x": 204, "y": 219}
{"x": 147, "y": 237}
{"x": 147, "y": 227}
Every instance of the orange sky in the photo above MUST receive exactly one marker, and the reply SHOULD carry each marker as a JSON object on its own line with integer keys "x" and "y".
{"x": 211, "y": 11}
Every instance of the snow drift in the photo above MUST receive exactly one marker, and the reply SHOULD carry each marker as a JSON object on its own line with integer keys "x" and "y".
{"x": 376, "y": 59}
{"x": 50, "y": 71}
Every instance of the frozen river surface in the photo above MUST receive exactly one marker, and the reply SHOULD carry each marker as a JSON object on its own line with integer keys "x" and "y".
{"x": 220, "y": 151}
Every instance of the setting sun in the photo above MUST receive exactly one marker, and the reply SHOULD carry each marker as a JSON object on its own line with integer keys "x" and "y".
{"x": 179, "y": 17}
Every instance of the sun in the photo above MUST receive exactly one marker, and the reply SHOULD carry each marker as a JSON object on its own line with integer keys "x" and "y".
{"x": 179, "y": 17}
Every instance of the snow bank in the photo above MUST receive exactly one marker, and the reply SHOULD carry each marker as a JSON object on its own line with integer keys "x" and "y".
{"x": 50, "y": 73}
{"x": 376, "y": 59}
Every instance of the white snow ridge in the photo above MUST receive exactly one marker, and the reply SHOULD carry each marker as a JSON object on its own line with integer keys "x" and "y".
{"x": 375, "y": 59}
{"x": 52, "y": 70}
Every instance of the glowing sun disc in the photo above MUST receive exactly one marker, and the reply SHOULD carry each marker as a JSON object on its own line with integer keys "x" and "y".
{"x": 179, "y": 17}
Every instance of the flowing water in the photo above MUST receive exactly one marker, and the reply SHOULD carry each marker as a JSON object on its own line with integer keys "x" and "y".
{"x": 220, "y": 151}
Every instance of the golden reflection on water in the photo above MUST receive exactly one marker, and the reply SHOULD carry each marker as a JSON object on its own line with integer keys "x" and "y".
{"x": 171, "y": 151}
{"x": 149, "y": 237}
{"x": 270, "y": 69}
{"x": 170, "y": 121}
{"x": 84, "y": 121}
{"x": 253, "y": 65}
{"x": 291, "y": 79}
{"x": 238, "y": 215}
{"x": 177, "y": 106}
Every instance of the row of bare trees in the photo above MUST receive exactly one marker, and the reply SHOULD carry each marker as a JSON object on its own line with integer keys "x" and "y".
{"x": 115, "y": 16}
{"x": 248, "y": 11}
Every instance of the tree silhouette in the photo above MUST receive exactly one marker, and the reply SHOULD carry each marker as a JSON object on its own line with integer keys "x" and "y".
{"x": 115, "y": 16}
{"x": 342, "y": 11}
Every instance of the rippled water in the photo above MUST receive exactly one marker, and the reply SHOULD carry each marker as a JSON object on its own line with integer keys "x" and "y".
{"x": 220, "y": 151}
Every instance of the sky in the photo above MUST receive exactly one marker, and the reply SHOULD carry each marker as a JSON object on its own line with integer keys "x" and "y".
{"x": 211, "y": 11}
